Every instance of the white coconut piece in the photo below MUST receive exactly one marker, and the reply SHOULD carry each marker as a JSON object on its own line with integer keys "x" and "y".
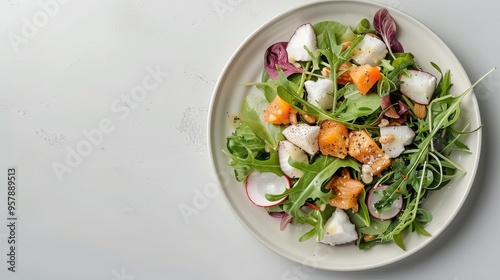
{"x": 303, "y": 136}
{"x": 319, "y": 93}
{"x": 339, "y": 229}
{"x": 370, "y": 50}
{"x": 403, "y": 136}
{"x": 419, "y": 86}
{"x": 303, "y": 37}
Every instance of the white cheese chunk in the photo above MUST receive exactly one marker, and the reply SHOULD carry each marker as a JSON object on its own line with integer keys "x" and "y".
{"x": 339, "y": 229}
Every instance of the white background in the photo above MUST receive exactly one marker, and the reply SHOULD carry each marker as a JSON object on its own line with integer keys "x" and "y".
{"x": 66, "y": 71}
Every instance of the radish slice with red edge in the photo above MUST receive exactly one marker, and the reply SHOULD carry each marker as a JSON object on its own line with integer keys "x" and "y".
{"x": 387, "y": 213}
{"x": 259, "y": 184}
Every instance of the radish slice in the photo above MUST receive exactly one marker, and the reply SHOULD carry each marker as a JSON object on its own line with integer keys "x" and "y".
{"x": 259, "y": 184}
{"x": 375, "y": 195}
{"x": 287, "y": 150}
{"x": 304, "y": 37}
{"x": 419, "y": 87}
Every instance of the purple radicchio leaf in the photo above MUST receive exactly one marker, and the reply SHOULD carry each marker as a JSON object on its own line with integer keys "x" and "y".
{"x": 386, "y": 27}
{"x": 396, "y": 112}
{"x": 285, "y": 219}
{"x": 277, "y": 214}
{"x": 276, "y": 55}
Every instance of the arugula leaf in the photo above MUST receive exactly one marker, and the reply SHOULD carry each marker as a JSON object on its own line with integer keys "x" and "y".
{"x": 419, "y": 227}
{"x": 361, "y": 218}
{"x": 267, "y": 86}
{"x": 310, "y": 185}
{"x": 253, "y": 144}
{"x": 317, "y": 220}
{"x": 248, "y": 152}
{"x": 243, "y": 142}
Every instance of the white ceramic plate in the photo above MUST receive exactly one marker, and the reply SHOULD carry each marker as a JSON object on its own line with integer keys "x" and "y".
{"x": 246, "y": 65}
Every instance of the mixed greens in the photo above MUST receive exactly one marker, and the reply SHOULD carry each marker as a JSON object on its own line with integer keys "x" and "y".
{"x": 355, "y": 127}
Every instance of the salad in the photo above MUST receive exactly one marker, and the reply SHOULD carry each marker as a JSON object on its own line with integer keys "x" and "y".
{"x": 348, "y": 134}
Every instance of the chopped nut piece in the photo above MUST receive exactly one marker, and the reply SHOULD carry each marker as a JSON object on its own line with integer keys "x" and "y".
{"x": 322, "y": 207}
{"x": 383, "y": 123}
{"x": 326, "y": 72}
{"x": 309, "y": 119}
{"x": 386, "y": 139}
{"x": 392, "y": 113}
{"x": 345, "y": 45}
{"x": 293, "y": 118}
{"x": 366, "y": 174}
{"x": 420, "y": 111}
{"x": 367, "y": 237}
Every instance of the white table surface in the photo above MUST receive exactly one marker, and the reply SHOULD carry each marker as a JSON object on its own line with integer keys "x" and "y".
{"x": 114, "y": 213}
